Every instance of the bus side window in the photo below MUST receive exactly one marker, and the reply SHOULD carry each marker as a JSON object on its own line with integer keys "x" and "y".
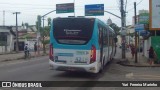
{"x": 104, "y": 37}
{"x": 100, "y": 36}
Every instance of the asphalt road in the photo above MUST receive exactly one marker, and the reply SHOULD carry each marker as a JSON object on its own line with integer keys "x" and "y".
{"x": 37, "y": 69}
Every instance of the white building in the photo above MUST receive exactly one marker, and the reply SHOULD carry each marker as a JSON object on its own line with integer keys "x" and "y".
{"x": 130, "y": 30}
{"x": 6, "y": 39}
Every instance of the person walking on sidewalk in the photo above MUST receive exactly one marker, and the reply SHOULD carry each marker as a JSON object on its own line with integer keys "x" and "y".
{"x": 132, "y": 50}
{"x": 26, "y": 50}
{"x": 151, "y": 55}
{"x": 35, "y": 49}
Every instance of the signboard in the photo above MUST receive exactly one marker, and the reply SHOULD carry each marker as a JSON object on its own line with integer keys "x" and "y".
{"x": 156, "y": 45}
{"x": 154, "y": 14}
{"x": 65, "y": 8}
{"x": 144, "y": 18}
{"x": 94, "y": 10}
{"x": 123, "y": 32}
{"x": 144, "y": 33}
{"x": 139, "y": 27}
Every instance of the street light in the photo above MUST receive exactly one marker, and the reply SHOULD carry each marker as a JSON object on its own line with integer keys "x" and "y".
{"x": 44, "y": 51}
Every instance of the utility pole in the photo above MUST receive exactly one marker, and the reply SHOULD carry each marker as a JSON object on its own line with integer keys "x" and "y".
{"x": 44, "y": 49}
{"x": 4, "y": 25}
{"x": 38, "y": 33}
{"x": 17, "y": 48}
{"x": 123, "y": 28}
{"x": 135, "y": 20}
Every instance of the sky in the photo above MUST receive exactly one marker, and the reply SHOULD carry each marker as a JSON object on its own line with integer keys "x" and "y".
{"x": 29, "y": 9}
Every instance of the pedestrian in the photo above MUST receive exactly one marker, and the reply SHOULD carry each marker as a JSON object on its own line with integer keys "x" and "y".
{"x": 35, "y": 49}
{"x": 151, "y": 55}
{"x": 26, "y": 50}
{"x": 132, "y": 50}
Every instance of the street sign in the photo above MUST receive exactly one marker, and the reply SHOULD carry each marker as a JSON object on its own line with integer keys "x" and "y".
{"x": 139, "y": 27}
{"x": 154, "y": 10}
{"x": 94, "y": 10}
{"x": 144, "y": 18}
{"x": 65, "y": 8}
{"x": 144, "y": 33}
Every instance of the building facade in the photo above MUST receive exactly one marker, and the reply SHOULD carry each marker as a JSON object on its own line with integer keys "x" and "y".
{"x": 6, "y": 39}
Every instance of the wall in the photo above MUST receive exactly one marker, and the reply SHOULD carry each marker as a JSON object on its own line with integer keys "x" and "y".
{"x": 31, "y": 43}
{"x": 10, "y": 44}
{"x": 147, "y": 44}
{"x": 155, "y": 40}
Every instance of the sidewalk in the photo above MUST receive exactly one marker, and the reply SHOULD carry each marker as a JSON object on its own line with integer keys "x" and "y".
{"x": 17, "y": 56}
{"x": 142, "y": 61}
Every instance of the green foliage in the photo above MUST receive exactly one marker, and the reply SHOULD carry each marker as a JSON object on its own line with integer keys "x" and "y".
{"x": 46, "y": 42}
{"x": 27, "y": 25}
{"x": 49, "y": 21}
{"x": 46, "y": 31}
{"x": 132, "y": 34}
{"x": 38, "y": 22}
{"x": 115, "y": 27}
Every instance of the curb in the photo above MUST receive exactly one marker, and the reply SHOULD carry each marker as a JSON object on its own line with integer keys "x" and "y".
{"x": 10, "y": 53}
{"x": 6, "y": 60}
{"x": 126, "y": 63}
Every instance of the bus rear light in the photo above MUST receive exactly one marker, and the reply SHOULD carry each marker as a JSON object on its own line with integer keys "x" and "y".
{"x": 51, "y": 52}
{"x": 93, "y": 54}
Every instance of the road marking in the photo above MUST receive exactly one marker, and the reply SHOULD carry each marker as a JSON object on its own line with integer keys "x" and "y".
{"x": 129, "y": 75}
{"x": 148, "y": 78}
{"x": 151, "y": 77}
{"x": 148, "y": 75}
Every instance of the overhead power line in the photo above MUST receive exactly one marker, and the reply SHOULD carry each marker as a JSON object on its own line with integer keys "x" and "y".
{"x": 25, "y": 4}
{"x": 136, "y": 5}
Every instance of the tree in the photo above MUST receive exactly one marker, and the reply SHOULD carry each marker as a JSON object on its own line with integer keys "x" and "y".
{"x": 49, "y": 21}
{"x": 22, "y": 24}
{"x": 37, "y": 25}
{"x": 47, "y": 31}
{"x": 44, "y": 32}
{"x": 115, "y": 27}
{"x": 27, "y": 25}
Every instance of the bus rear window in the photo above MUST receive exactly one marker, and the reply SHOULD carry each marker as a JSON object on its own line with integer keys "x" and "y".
{"x": 75, "y": 31}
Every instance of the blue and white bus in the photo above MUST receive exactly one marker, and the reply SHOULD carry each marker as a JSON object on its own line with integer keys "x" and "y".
{"x": 81, "y": 44}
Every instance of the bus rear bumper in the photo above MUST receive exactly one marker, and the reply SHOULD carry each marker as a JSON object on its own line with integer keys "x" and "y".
{"x": 92, "y": 68}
